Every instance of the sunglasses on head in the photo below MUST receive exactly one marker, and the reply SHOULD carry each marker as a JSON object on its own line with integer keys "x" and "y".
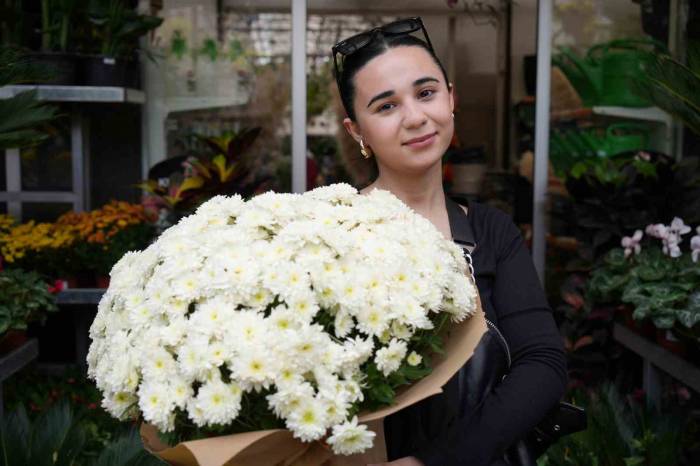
{"x": 353, "y": 44}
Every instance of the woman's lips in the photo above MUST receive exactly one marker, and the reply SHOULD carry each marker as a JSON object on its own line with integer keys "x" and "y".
{"x": 421, "y": 142}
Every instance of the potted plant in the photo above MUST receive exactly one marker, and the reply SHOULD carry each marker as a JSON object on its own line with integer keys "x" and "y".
{"x": 116, "y": 30}
{"x": 622, "y": 431}
{"x": 24, "y": 298}
{"x": 657, "y": 278}
{"x": 58, "y": 18}
{"x": 179, "y": 185}
{"x": 612, "y": 196}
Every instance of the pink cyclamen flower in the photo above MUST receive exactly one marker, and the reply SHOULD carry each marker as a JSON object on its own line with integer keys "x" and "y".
{"x": 678, "y": 227}
{"x": 695, "y": 246}
{"x": 658, "y": 230}
{"x": 631, "y": 243}
{"x": 671, "y": 247}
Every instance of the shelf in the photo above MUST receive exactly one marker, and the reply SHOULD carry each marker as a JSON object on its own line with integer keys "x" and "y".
{"x": 674, "y": 365}
{"x": 18, "y": 358}
{"x": 86, "y": 94}
{"x": 80, "y": 296}
{"x": 654, "y": 114}
{"x": 188, "y": 104}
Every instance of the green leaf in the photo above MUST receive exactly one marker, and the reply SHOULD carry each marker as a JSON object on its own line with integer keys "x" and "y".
{"x": 690, "y": 315}
{"x": 126, "y": 450}
{"x": 415, "y": 372}
{"x": 19, "y": 118}
{"x": 16, "y": 437}
{"x": 664, "y": 320}
{"x": 56, "y": 437}
{"x": 672, "y": 86}
{"x": 383, "y": 393}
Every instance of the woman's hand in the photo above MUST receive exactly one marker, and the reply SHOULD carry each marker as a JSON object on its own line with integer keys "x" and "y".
{"x": 406, "y": 461}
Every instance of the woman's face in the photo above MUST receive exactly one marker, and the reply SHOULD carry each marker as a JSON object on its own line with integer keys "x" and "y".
{"x": 403, "y": 110}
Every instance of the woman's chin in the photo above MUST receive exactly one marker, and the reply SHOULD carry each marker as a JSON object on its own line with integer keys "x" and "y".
{"x": 418, "y": 165}
{"x": 421, "y": 158}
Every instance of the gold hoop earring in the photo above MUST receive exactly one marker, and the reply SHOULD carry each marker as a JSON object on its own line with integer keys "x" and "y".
{"x": 363, "y": 150}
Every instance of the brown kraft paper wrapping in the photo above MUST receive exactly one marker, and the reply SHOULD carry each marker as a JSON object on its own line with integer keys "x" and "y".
{"x": 279, "y": 448}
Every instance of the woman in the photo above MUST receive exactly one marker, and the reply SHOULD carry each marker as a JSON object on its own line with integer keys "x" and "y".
{"x": 399, "y": 107}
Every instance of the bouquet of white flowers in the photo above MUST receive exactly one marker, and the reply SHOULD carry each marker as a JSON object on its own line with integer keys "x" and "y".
{"x": 285, "y": 311}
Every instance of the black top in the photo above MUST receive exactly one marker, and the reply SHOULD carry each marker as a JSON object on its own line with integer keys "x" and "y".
{"x": 513, "y": 299}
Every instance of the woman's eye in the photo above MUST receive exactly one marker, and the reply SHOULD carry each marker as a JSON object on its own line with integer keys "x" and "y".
{"x": 426, "y": 93}
{"x": 385, "y": 107}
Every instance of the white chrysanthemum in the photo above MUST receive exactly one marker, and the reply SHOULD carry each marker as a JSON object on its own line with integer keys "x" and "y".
{"x": 308, "y": 421}
{"x": 335, "y": 406}
{"x": 409, "y": 312}
{"x": 191, "y": 358}
{"x": 350, "y": 438}
{"x": 210, "y": 316}
{"x": 343, "y": 324}
{"x": 158, "y": 364}
{"x": 222, "y": 206}
{"x": 255, "y": 367}
{"x": 181, "y": 391}
{"x": 246, "y": 329}
{"x": 303, "y": 305}
{"x": 388, "y": 359}
{"x": 156, "y": 404}
{"x": 289, "y": 398}
{"x": 120, "y": 404}
{"x": 414, "y": 359}
{"x": 356, "y": 351}
{"x": 218, "y": 402}
{"x": 373, "y": 320}
{"x": 339, "y": 192}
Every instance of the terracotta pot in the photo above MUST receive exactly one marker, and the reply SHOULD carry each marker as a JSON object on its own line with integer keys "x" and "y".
{"x": 12, "y": 339}
{"x": 102, "y": 281}
{"x": 666, "y": 339}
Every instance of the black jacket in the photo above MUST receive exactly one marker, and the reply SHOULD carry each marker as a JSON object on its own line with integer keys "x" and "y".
{"x": 439, "y": 431}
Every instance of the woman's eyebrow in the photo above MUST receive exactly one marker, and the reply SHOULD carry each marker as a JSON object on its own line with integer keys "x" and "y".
{"x": 380, "y": 96}
{"x": 424, "y": 80}
{"x": 385, "y": 94}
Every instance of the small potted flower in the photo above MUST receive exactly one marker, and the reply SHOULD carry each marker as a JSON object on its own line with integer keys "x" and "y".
{"x": 46, "y": 248}
{"x": 658, "y": 279}
{"x": 106, "y": 234}
{"x": 24, "y": 298}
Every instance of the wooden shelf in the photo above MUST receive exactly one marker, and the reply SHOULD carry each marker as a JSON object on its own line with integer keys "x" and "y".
{"x": 14, "y": 361}
{"x": 18, "y": 358}
{"x": 659, "y": 357}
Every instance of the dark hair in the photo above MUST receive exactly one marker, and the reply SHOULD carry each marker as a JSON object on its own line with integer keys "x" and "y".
{"x": 354, "y": 62}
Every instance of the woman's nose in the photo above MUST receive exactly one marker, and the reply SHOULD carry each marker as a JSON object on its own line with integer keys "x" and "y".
{"x": 413, "y": 116}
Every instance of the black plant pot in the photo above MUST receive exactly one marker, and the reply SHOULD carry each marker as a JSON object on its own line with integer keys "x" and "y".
{"x": 133, "y": 74}
{"x": 105, "y": 71}
{"x": 62, "y": 67}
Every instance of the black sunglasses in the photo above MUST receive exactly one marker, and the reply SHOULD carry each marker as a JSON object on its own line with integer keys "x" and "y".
{"x": 353, "y": 44}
